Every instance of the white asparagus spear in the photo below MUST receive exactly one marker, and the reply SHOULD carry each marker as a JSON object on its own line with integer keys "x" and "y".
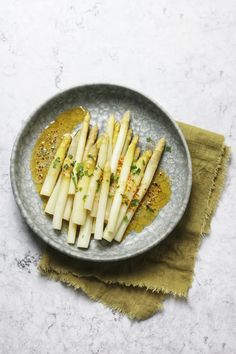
{"x": 85, "y": 233}
{"x": 78, "y": 215}
{"x": 115, "y": 134}
{"x": 127, "y": 142}
{"x": 102, "y": 203}
{"x": 120, "y": 141}
{"x": 72, "y": 228}
{"x": 116, "y": 155}
{"x": 145, "y": 183}
{"x": 135, "y": 177}
{"x": 60, "y": 205}
{"x": 64, "y": 187}
{"x": 137, "y": 153}
{"x": 50, "y": 207}
{"x": 95, "y": 179}
{"x": 55, "y": 166}
{"x": 79, "y": 152}
{"x": 124, "y": 174}
{"x": 99, "y": 141}
{"x": 68, "y": 207}
{"x": 92, "y": 136}
{"x": 109, "y": 131}
{"x": 113, "y": 185}
{"x": 133, "y": 183}
{"x": 93, "y": 212}
{"x": 51, "y": 203}
{"x": 112, "y": 191}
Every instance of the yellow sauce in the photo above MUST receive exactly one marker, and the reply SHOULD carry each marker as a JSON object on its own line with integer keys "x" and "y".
{"x": 44, "y": 150}
{"x": 157, "y": 196}
{"x": 49, "y": 140}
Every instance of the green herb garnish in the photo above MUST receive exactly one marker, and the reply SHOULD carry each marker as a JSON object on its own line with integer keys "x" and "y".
{"x": 70, "y": 156}
{"x": 126, "y": 218}
{"x": 79, "y": 168}
{"x": 56, "y": 162}
{"x": 114, "y": 178}
{"x": 134, "y": 202}
{"x": 149, "y": 140}
{"x": 98, "y": 185}
{"x": 86, "y": 173}
{"x": 168, "y": 148}
{"x": 125, "y": 199}
{"x": 66, "y": 166}
{"x": 84, "y": 197}
{"x": 74, "y": 179}
{"x": 149, "y": 209}
{"x": 135, "y": 170}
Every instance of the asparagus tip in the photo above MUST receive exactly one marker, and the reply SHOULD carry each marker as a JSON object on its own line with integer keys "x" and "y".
{"x": 126, "y": 117}
{"x": 135, "y": 140}
{"x": 112, "y": 117}
{"x": 87, "y": 117}
{"x": 67, "y": 137}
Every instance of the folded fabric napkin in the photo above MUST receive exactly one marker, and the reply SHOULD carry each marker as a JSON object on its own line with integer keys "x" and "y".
{"x": 138, "y": 287}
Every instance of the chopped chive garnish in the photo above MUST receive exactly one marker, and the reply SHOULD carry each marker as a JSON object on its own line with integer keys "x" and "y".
{"x": 79, "y": 167}
{"x": 126, "y": 218}
{"x": 168, "y": 148}
{"x": 149, "y": 140}
{"x": 134, "y": 202}
{"x": 135, "y": 170}
{"x": 86, "y": 173}
{"x": 66, "y": 166}
{"x": 98, "y": 185}
{"x": 56, "y": 162}
{"x": 149, "y": 209}
{"x": 74, "y": 179}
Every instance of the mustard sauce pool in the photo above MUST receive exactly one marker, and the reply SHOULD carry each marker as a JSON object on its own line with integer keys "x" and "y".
{"x": 49, "y": 140}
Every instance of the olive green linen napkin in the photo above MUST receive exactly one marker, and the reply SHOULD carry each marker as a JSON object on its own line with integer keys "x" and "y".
{"x": 138, "y": 287}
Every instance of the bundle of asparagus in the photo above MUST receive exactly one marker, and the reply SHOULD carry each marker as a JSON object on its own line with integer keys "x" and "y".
{"x": 97, "y": 183}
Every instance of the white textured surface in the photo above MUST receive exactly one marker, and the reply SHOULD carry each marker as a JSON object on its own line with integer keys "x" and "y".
{"x": 181, "y": 53}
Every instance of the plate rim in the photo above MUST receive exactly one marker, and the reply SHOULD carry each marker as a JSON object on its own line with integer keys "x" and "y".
{"x": 53, "y": 244}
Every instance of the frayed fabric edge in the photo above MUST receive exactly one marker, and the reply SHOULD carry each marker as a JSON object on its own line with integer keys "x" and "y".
{"x": 45, "y": 269}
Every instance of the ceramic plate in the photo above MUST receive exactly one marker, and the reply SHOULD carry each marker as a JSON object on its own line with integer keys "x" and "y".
{"x": 148, "y": 120}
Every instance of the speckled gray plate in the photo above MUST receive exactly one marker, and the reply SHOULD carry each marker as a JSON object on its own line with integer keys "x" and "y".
{"x": 148, "y": 120}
